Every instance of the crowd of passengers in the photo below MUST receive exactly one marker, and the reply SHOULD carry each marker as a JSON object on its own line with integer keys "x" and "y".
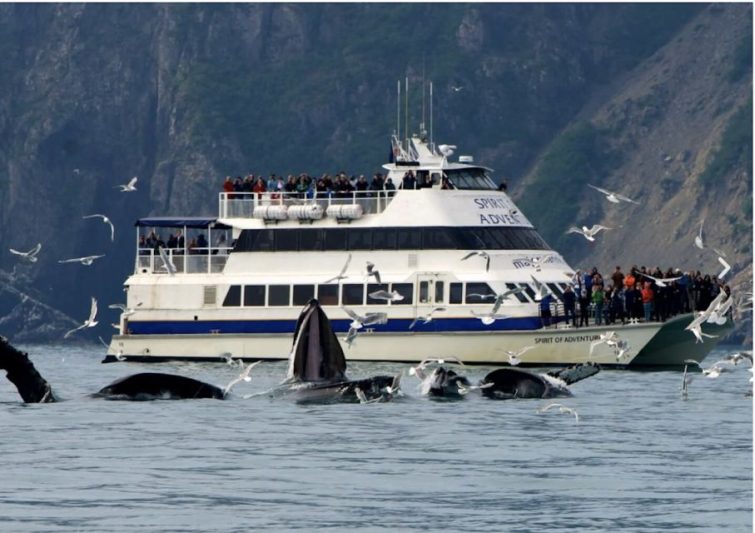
{"x": 339, "y": 185}
{"x": 633, "y": 296}
{"x": 177, "y": 242}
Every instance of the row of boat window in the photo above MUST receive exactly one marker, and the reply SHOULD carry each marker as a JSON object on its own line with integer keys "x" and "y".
{"x": 358, "y": 294}
{"x": 389, "y": 238}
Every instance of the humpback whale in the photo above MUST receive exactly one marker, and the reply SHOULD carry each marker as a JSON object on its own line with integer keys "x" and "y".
{"x": 510, "y": 383}
{"x": 33, "y": 388}
{"x": 317, "y": 365}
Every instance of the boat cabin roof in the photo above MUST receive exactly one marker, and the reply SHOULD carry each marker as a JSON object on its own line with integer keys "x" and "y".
{"x": 181, "y": 222}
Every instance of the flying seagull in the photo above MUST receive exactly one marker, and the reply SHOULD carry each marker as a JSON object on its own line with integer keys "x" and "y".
{"x": 125, "y": 311}
{"x": 541, "y": 290}
{"x": 372, "y": 272}
{"x": 106, "y": 220}
{"x": 341, "y": 275}
{"x": 244, "y": 376}
{"x": 713, "y": 371}
{"x": 456, "y": 89}
{"x": 426, "y": 319}
{"x": 87, "y": 260}
{"x": 726, "y": 266}
{"x": 88, "y": 323}
{"x": 614, "y": 197}
{"x": 31, "y": 255}
{"x": 369, "y": 319}
{"x": 482, "y": 254}
{"x": 661, "y": 282}
{"x": 167, "y": 262}
{"x": 392, "y": 296}
{"x": 699, "y": 236}
{"x": 609, "y": 338}
{"x": 515, "y": 355}
{"x": 130, "y": 186}
{"x": 488, "y": 318}
{"x": 588, "y": 233}
{"x": 686, "y": 380}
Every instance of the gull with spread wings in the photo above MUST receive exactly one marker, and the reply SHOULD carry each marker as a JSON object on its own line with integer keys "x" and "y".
{"x": 614, "y": 197}
{"x": 89, "y": 322}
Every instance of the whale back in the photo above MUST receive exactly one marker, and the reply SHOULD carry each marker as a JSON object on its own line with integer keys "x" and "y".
{"x": 153, "y": 385}
{"x": 510, "y": 383}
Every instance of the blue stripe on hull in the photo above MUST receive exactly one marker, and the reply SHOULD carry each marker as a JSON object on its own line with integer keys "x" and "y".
{"x": 188, "y": 327}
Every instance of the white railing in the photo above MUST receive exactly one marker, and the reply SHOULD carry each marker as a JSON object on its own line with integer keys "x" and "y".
{"x": 242, "y": 204}
{"x": 198, "y": 261}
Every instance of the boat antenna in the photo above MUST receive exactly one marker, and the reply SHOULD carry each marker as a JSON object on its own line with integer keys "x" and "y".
{"x": 406, "y": 112}
{"x": 432, "y": 146}
{"x": 398, "y": 110}
{"x": 422, "y": 132}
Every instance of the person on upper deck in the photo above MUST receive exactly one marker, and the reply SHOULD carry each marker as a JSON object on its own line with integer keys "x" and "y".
{"x": 202, "y": 244}
{"x": 228, "y": 185}
{"x": 362, "y": 184}
{"x": 390, "y": 187}
{"x": 377, "y": 182}
{"x": 408, "y": 182}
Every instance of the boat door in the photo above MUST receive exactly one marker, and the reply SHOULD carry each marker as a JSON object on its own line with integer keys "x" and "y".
{"x": 431, "y": 289}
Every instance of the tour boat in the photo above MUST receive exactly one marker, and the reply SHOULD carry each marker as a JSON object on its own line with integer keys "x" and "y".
{"x": 443, "y": 250}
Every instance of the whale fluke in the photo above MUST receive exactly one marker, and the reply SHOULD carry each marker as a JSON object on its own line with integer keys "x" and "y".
{"x": 152, "y": 386}
{"x": 32, "y": 387}
{"x": 575, "y": 373}
{"x": 316, "y": 355}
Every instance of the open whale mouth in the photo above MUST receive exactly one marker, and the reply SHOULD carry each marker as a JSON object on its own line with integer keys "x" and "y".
{"x": 316, "y": 355}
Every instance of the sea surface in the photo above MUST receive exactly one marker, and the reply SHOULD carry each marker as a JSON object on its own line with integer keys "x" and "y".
{"x": 640, "y": 458}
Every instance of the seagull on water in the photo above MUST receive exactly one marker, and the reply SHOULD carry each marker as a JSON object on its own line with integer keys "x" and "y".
{"x": 129, "y": 187}
{"x": 88, "y": 260}
{"x": 426, "y": 319}
{"x": 482, "y": 254}
{"x": 31, "y": 255}
{"x": 167, "y": 262}
{"x": 588, "y": 233}
{"x": 699, "y": 236}
{"x": 89, "y": 322}
{"x": 661, "y": 282}
{"x": 372, "y": 272}
{"x": 561, "y": 409}
{"x": 244, "y": 376}
{"x": 341, "y": 275}
{"x": 515, "y": 355}
{"x": 392, "y": 296}
{"x": 106, "y": 220}
{"x": 614, "y": 197}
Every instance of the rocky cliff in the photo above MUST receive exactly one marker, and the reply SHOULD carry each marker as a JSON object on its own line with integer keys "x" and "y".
{"x": 643, "y": 98}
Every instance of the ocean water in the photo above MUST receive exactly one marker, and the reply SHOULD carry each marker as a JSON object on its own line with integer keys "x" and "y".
{"x": 639, "y": 459}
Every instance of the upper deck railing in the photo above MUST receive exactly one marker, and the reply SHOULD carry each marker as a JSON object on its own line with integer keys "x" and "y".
{"x": 208, "y": 260}
{"x": 243, "y": 204}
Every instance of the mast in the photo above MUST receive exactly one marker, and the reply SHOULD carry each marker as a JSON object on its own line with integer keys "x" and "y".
{"x": 398, "y": 110}
{"x": 406, "y": 112}
{"x": 432, "y": 146}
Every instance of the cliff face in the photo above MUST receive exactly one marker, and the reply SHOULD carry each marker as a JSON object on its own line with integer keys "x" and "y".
{"x": 182, "y": 95}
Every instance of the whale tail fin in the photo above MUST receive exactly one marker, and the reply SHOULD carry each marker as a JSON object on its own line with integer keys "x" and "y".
{"x": 32, "y": 387}
{"x": 575, "y": 373}
{"x": 316, "y": 354}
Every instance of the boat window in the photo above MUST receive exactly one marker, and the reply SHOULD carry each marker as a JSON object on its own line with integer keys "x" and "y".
{"x": 440, "y": 239}
{"x": 479, "y": 292}
{"x": 519, "y": 296}
{"x": 353, "y": 294}
{"x": 439, "y": 292}
{"x": 455, "y": 293}
{"x": 360, "y": 239}
{"x": 279, "y": 295}
{"x": 528, "y": 290}
{"x": 303, "y": 294}
{"x": 410, "y": 239}
{"x": 335, "y": 239}
{"x": 327, "y": 294}
{"x": 402, "y": 238}
{"x": 406, "y": 290}
{"x": 373, "y": 287}
{"x": 384, "y": 239}
{"x": 254, "y": 295}
{"x": 423, "y": 292}
{"x": 311, "y": 240}
{"x": 556, "y": 290}
{"x": 286, "y": 240}
{"x": 471, "y": 178}
{"x": 264, "y": 241}
{"x": 233, "y": 296}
